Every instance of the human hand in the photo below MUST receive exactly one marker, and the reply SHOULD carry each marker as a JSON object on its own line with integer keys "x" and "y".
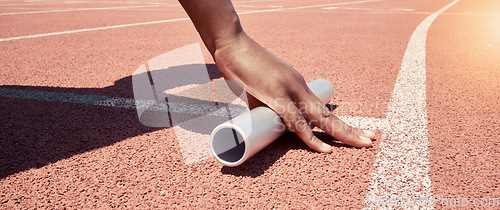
{"x": 273, "y": 83}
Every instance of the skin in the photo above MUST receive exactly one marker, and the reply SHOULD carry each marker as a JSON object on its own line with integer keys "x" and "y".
{"x": 268, "y": 80}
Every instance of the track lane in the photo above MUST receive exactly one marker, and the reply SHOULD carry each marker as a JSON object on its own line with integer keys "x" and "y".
{"x": 351, "y": 49}
{"x": 33, "y": 24}
{"x": 464, "y": 93}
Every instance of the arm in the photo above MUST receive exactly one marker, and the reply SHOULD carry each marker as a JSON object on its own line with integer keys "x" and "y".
{"x": 216, "y": 21}
{"x": 268, "y": 80}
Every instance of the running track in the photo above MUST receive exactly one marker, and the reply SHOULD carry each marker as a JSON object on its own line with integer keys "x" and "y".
{"x": 424, "y": 73}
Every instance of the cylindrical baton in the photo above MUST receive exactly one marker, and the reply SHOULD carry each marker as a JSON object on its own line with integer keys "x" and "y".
{"x": 236, "y": 140}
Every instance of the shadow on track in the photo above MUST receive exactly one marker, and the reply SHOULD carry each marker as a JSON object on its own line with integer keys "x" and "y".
{"x": 35, "y": 133}
{"x": 39, "y": 132}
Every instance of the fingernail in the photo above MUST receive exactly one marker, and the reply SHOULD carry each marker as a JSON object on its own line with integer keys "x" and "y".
{"x": 369, "y": 132}
{"x": 326, "y": 146}
{"x": 365, "y": 138}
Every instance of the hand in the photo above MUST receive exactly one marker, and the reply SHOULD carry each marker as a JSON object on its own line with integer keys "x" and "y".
{"x": 270, "y": 81}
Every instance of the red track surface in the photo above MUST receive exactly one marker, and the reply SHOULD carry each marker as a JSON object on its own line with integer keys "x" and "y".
{"x": 69, "y": 155}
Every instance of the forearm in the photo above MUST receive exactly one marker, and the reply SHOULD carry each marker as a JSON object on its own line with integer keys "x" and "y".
{"x": 215, "y": 20}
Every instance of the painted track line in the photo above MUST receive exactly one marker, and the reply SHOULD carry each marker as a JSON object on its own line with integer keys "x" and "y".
{"x": 373, "y": 9}
{"x": 79, "y": 9}
{"x": 336, "y": 4}
{"x": 370, "y": 123}
{"x": 307, "y": 7}
{"x": 337, "y": 10}
{"x": 402, "y": 165}
{"x": 165, "y": 21}
{"x": 34, "y": 3}
{"x": 27, "y": 4}
{"x": 91, "y": 29}
{"x": 202, "y": 109}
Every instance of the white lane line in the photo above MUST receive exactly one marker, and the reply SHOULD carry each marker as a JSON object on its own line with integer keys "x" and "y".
{"x": 31, "y": 3}
{"x": 331, "y": 8}
{"x": 336, "y": 4}
{"x": 402, "y": 165}
{"x": 401, "y": 10}
{"x": 26, "y": 4}
{"x": 143, "y": 9}
{"x": 90, "y": 29}
{"x": 372, "y": 9}
{"x": 36, "y": 3}
{"x": 369, "y": 123}
{"x": 78, "y": 9}
{"x": 355, "y": 8}
{"x": 127, "y": 2}
{"x": 26, "y": 8}
{"x": 272, "y": 6}
{"x": 311, "y": 6}
{"x": 333, "y": 11}
{"x": 200, "y": 109}
{"x": 203, "y": 108}
{"x": 236, "y": 2}
{"x": 161, "y": 21}
{"x": 209, "y": 109}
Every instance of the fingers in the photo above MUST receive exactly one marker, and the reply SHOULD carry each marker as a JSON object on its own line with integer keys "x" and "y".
{"x": 296, "y": 122}
{"x": 347, "y": 134}
{"x": 310, "y": 109}
{"x": 365, "y": 133}
{"x": 324, "y": 119}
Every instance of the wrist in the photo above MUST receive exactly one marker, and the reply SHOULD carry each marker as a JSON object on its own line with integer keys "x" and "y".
{"x": 226, "y": 49}
{"x": 219, "y": 36}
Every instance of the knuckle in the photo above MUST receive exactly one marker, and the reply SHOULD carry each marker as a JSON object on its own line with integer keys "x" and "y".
{"x": 300, "y": 123}
{"x": 337, "y": 125}
{"x": 297, "y": 123}
{"x": 349, "y": 131}
{"x": 326, "y": 113}
{"x": 313, "y": 140}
